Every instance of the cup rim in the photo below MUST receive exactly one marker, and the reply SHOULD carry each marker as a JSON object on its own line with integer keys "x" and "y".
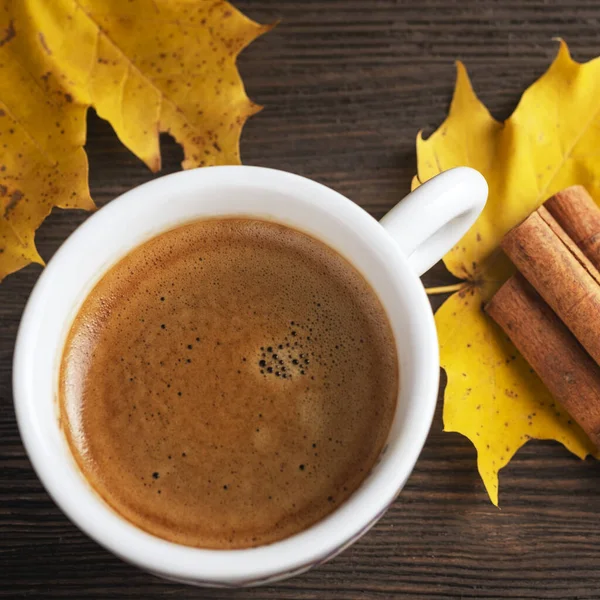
{"x": 253, "y": 565}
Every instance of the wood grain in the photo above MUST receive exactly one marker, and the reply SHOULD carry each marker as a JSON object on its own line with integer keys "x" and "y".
{"x": 346, "y": 85}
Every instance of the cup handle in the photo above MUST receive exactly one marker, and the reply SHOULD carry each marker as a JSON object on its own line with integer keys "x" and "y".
{"x": 431, "y": 220}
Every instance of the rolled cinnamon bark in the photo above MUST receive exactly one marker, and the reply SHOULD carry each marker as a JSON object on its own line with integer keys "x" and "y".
{"x": 562, "y": 275}
{"x": 579, "y": 216}
{"x": 566, "y": 369}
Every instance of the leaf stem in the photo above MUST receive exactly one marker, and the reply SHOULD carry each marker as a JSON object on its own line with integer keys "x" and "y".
{"x": 446, "y": 289}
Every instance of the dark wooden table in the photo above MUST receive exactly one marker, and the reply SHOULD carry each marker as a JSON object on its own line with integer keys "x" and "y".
{"x": 346, "y": 85}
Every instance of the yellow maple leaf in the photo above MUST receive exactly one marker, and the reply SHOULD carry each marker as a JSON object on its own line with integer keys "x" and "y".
{"x": 146, "y": 66}
{"x": 551, "y": 141}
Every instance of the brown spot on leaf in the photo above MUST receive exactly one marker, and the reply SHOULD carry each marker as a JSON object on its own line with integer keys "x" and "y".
{"x": 14, "y": 199}
{"x": 8, "y": 34}
{"x": 44, "y": 45}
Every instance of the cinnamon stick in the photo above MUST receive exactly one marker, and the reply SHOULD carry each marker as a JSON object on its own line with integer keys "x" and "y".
{"x": 559, "y": 271}
{"x": 568, "y": 372}
{"x": 577, "y": 213}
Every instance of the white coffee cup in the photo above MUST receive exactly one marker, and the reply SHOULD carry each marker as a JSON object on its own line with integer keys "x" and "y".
{"x": 390, "y": 254}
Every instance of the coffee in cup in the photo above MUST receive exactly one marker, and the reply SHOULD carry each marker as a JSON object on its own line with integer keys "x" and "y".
{"x": 228, "y": 383}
